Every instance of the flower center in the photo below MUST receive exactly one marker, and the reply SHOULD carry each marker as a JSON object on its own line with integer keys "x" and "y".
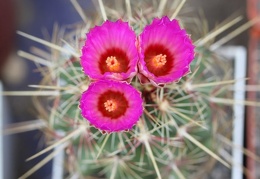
{"x": 159, "y": 60}
{"x": 110, "y": 105}
{"x": 114, "y": 60}
{"x": 112, "y": 63}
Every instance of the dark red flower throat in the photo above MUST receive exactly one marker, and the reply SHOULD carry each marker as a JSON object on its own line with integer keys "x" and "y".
{"x": 112, "y": 104}
{"x": 158, "y": 59}
{"x": 114, "y": 60}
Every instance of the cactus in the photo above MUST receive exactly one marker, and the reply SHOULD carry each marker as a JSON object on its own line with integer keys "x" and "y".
{"x": 176, "y": 135}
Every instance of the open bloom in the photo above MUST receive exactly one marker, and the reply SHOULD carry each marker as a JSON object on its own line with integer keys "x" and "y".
{"x": 165, "y": 51}
{"x": 111, "y": 106}
{"x": 110, "y": 52}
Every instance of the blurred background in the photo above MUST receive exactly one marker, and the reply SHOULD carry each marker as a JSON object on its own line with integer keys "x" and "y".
{"x": 37, "y": 18}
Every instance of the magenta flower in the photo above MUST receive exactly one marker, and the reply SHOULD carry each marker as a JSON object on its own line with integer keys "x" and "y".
{"x": 111, "y": 106}
{"x": 166, "y": 51}
{"x": 110, "y": 52}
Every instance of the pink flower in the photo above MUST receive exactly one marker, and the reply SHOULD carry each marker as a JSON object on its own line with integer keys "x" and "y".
{"x": 110, "y": 52}
{"x": 111, "y": 106}
{"x": 166, "y": 51}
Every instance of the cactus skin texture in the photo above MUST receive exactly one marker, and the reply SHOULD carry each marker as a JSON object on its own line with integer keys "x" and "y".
{"x": 175, "y": 137}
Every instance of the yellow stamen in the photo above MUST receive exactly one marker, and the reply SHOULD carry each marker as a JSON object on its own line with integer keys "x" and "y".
{"x": 159, "y": 60}
{"x": 110, "y": 105}
{"x": 112, "y": 63}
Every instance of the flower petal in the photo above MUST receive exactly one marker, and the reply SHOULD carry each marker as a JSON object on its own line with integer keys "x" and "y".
{"x": 110, "y": 52}
{"x": 111, "y": 106}
{"x": 166, "y": 51}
